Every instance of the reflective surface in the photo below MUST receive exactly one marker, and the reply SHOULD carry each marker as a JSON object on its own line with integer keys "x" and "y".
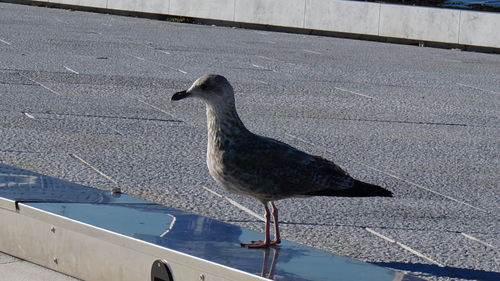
{"x": 23, "y": 185}
{"x": 192, "y": 234}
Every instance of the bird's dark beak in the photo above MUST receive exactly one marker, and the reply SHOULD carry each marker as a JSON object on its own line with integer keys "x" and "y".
{"x": 180, "y": 95}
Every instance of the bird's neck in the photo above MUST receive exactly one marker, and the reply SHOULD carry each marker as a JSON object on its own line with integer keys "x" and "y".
{"x": 223, "y": 122}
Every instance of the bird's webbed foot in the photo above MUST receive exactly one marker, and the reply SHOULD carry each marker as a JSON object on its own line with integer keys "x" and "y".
{"x": 260, "y": 244}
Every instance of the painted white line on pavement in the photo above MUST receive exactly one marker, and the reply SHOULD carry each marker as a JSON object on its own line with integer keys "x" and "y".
{"x": 5, "y": 42}
{"x": 29, "y": 115}
{"x": 409, "y": 249}
{"x": 71, "y": 70}
{"x": 40, "y": 84}
{"x": 236, "y": 204}
{"x": 312, "y": 52}
{"x": 354, "y": 93}
{"x": 477, "y": 240}
{"x": 93, "y": 168}
{"x": 477, "y": 88}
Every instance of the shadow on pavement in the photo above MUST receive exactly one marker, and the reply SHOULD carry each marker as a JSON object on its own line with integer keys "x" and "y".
{"x": 447, "y": 271}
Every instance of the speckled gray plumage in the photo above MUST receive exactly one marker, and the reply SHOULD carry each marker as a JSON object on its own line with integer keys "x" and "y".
{"x": 260, "y": 167}
{"x": 263, "y": 168}
{"x": 268, "y": 170}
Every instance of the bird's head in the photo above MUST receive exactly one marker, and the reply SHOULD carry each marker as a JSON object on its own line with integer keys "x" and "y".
{"x": 212, "y": 89}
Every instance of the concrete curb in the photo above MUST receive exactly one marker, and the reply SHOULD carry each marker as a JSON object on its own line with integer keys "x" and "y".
{"x": 421, "y": 24}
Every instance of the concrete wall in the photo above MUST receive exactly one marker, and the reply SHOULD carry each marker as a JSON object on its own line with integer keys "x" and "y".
{"x": 288, "y": 13}
{"x": 342, "y": 16}
{"x": 420, "y": 23}
{"x": 148, "y": 6}
{"x": 210, "y": 9}
{"x": 384, "y": 20}
{"x": 481, "y": 29}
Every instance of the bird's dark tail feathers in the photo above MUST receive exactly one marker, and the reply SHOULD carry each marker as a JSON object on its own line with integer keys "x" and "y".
{"x": 359, "y": 189}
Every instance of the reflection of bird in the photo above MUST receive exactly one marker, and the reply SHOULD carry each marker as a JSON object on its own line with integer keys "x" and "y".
{"x": 260, "y": 167}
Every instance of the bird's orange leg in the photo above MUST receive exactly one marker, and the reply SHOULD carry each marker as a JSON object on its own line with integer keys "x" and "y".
{"x": 277, "y": 237}
{"x": 267, "y": 240}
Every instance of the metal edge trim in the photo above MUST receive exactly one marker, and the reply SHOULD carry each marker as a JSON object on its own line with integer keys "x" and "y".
{"x": 137, "y": 245}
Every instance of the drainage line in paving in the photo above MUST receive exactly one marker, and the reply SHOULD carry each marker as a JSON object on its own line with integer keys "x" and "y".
{"x": 93, "y": 168}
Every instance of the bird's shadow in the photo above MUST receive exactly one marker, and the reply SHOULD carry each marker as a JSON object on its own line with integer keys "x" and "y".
{"x": 446, "y": 271}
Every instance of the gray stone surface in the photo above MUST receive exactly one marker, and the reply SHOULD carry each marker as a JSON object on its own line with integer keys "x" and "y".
{"x": 421, "y": 122}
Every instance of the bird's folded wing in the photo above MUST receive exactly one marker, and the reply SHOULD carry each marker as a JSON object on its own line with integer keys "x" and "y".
{"x": 283, "y": 168}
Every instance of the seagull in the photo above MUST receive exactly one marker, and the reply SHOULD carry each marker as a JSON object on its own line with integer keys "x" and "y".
{"x": 264, "y": 168}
